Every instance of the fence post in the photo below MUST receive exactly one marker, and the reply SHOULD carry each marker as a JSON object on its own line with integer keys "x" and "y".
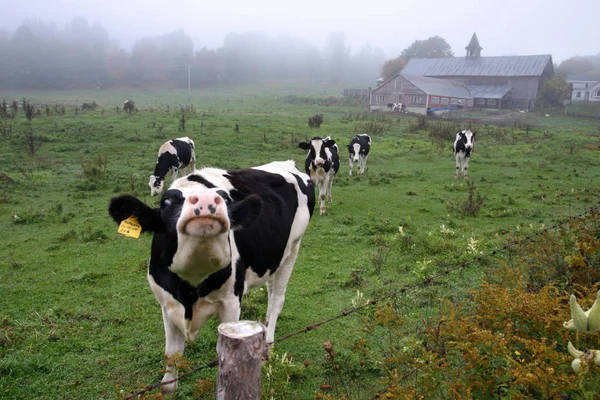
{"x": 240, "y": 348}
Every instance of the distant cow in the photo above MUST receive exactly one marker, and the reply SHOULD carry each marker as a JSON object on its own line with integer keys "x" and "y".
{"x": 172, "y": 156}
{"x": 463, "y": 145}
{"x": 322, "y": 164}
{"x": 217, "y": 234}
{"x": 359, "y": 148}
{"x": 398, "y": 107}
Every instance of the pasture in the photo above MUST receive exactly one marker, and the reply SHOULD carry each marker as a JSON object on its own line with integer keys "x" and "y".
{"x": 77, "y": 319}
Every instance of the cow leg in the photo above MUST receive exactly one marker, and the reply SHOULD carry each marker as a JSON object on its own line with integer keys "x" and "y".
{"x": 322, "y": 192}
{"x": 276, "y": 287}
{"x": 457, "y": 166}
{"x": 466, "y": 167}
{"x": 351, "y": 165}
{"x": 174, "y": 343}
{"x": 364, "y": 164}
{"x": 329, "y": 185}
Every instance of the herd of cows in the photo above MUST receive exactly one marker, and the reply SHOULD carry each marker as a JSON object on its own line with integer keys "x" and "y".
{"x": 219, "y": 233}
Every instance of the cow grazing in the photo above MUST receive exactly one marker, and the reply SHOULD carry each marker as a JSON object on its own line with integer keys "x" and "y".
{"x": 359, "y": 148}
{"x": 172, "y": 156}
{"x": 217, "y": 234}
{"x": 463, "y": 145}
{"x": 322, "y": 164}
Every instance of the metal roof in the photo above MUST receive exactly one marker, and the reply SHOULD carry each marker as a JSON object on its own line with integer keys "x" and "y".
{"x": 482, "y": 66}
{"x": 438, "y": 87}
{"x": 488, "y": 92}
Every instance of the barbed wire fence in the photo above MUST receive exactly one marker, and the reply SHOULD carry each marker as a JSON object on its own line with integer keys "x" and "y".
{"x": 423, "y": 282}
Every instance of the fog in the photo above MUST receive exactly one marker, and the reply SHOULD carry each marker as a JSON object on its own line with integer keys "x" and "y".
{"x": 368, "y": 31}
{"x": 507, "y": 27}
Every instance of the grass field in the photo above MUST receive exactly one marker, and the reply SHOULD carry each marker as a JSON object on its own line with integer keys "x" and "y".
{"x": 78, "y": 320}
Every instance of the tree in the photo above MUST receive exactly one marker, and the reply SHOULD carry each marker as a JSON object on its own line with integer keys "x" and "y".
{"x": 576, "y": 65}
{"x": 434, "y": 47}
{"x": 338, "y": 56}
{"x": 392, "y": 67}
{"x": 554, "y": 91}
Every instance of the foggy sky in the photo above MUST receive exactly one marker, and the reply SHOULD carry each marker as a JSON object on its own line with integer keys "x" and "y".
{"x": 504, "y": 27}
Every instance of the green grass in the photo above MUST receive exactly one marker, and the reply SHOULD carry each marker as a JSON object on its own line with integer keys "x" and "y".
{"x": 77, "y": 319}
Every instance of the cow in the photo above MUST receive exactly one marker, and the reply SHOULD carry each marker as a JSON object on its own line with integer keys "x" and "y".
{"x": 359, "y": 148}
{"x": 463, "y": 146}
{"x": 398, "y": 107}
{"x": 322, "y": 164}
{"x": 217, "y": 234}
{"x": 172, "y": 156}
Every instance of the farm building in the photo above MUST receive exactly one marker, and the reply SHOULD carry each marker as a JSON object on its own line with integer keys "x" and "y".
{"x": 584, "y": 88}
{"x": 490, "y": 82}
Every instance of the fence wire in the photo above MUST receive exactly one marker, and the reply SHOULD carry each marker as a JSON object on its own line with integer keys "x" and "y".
{"x": 426, "y": 281}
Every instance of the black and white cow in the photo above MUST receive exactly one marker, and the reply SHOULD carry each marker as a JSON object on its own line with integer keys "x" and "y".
{"x": 172, "y": 156}
{"x": 359, "y": 148}
{"x": 463, "y": 146}
{"x": 322, "y": 164}
{"x": 216, "y": 235}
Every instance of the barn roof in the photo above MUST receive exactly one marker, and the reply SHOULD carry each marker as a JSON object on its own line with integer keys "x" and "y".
{"x": 438, "y": 87}
{"x": 482, "y": 66}
{"x": 488, "y": 92}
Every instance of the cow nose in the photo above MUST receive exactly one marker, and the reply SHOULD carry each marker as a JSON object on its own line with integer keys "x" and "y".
{"x": 319, "y": 161}
{"x": 202, "y": 203}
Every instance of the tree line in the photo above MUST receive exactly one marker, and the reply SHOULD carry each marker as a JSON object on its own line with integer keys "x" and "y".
{"x": 40, "y": 55}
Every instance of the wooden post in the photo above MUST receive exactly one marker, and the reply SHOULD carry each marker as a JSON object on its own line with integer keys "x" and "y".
{"x": 240, "y": 347}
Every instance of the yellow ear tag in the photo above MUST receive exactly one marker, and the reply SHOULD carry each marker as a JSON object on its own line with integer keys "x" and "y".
{"x": 130, "y": 227}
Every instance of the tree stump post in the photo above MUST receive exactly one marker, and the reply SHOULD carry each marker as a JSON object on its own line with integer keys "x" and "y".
{"x": 240, "y": 348}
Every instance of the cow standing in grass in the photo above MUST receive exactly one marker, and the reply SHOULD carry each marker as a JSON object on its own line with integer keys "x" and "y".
{"x": 463, "y": 146}
{"x": 322, "y": 164}
{"x": 358, "y": 149}
{"x": 174, "y": 155}
{"x": 217, "y": 234}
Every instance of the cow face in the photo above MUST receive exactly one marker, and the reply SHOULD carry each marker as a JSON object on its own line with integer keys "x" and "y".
{"x": 156, "y": 184}
{"x": 195, "y": 223}
{"x": 354, "y": 150}
{"x": 468, "y": 139}
{"x": 316, "y": 149}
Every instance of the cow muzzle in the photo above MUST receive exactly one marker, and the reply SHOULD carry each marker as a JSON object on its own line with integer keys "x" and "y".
{"x": 319, "y": 161}
{"x": 203, "y": 214}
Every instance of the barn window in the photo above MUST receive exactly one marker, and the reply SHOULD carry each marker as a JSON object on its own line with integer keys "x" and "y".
{"x": 379, "y": 98}
{"x": 445, "y": 100}
{"x": 491, "y": 102}
{"x": 480, "y": 102}
{"x": 416, "y": 99}
{"x": 455, "y": 101}
{"x": 435, "y": 100}
{"x": 578, "y": 95}
{"x": 597, "y": 93}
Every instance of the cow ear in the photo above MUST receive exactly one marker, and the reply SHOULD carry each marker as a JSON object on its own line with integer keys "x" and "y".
{"x": 474, "y": 132}
{"x": 125, "y": 206}
{"x": 245, "y": 213}
{"x": 329, "y": 143}
{"x": 304, "y": 145}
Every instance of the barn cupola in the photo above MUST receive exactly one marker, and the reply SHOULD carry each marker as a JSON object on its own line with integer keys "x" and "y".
{"x": 473, "y": 48}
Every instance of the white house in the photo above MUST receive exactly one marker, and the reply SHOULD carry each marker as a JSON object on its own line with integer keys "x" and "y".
{"x": 595, "y": 92}
{"x": 582, "y": 88}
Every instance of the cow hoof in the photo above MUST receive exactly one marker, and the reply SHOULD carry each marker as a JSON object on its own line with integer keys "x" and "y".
{"x": 466, "y": 179}
{"x": 455, "y": 176}
{"x": 321, "y": 212}
{"x": 169, "y": 388}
